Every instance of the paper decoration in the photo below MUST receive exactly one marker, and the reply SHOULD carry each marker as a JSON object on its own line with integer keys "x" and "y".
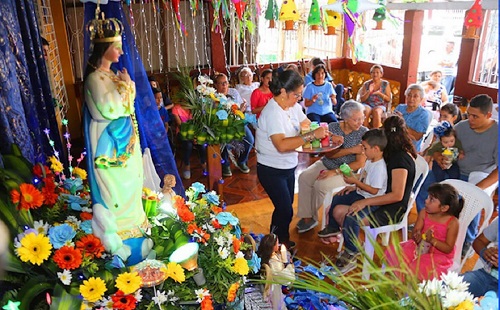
{"x": 176, "y": 8}
{"x": 271, "y": 12}
{"x": 289, "y": 14}
{"x": 314, "y": 19}
{"x": 473, "y": 20}
{"x": 239, "y": 6}
{"x": 380, "y": 15}
{"x": 333, "y": 20}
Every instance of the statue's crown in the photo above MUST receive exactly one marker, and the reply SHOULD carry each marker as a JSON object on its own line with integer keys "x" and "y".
{"x": 98, "y": 26}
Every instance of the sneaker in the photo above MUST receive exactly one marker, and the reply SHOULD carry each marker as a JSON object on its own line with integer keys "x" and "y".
{"x": 226, "y": 171}
{"x": 306, "y": 226}
{"x": 243, "y": 168}
{"x": 465, "y": 250}
{"x": 347, "y": 261}
{"x": 300, "y": 223}
{"x": 328, "y": 232}
{"x": 290, "y": 245}
{"x": 186, "y": 174}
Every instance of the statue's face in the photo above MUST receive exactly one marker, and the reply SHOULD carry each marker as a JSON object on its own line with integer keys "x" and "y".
{"x": 114, "y": 52}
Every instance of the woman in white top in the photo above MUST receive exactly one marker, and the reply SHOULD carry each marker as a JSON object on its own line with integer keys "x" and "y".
{"x": 277, "y": 137}
{"x": 246, "y": 85}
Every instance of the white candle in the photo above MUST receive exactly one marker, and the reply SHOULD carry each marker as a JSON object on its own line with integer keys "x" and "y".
{"x": 284, "y": 255}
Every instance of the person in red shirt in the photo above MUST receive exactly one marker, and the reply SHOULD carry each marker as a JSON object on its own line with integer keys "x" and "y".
{"x": 261, "y": 95}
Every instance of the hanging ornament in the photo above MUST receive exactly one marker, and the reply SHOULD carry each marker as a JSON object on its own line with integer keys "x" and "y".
{"x": 239, "y": 6}
{"x": 289, "y": 14}
{"x": 473, "y": 20}
{"x": 176, "y": 7}
{"x": 333, "y": 20}
{"x": 380, "y": 15}
{"x": 271, "y": 12}
{"x": 314, "y": 19}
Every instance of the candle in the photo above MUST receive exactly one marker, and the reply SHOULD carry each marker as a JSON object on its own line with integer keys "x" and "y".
{"x": 284, "y": 255}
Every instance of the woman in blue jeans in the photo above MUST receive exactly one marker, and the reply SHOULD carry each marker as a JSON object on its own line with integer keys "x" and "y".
{"x": 399, "y": 155}
{"x": 277, "y": 137}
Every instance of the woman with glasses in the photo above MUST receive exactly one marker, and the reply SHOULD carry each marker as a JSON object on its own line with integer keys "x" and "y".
{"x": 320, "y": 97}
{"x": 324, "y": 174}
{"x": 277, "y": 137}
{"x": 246, "y": 85}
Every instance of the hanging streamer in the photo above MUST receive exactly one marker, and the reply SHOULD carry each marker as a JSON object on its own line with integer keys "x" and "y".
{"x": 158, "y": 36}
{"x": 176, "y": 7}
{"x": 195, "y": 41}
{"x": 205, "y": 41}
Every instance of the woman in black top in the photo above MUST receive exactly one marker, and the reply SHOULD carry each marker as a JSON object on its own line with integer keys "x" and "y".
{"x": 399, "y": 155}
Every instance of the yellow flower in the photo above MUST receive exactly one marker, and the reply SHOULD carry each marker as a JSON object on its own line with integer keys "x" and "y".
{"x": 465, "y": 305}
{"x": 128, "y": 282}
{"x": 34, "y": 248}
{"x": 240, "y": 114}
{"x": 79, "y": 172}
{"x": 55, "y": 164}
{"x": 176, "y": 272}
{"x": 241, "y": 266}
{"x": 93, "y": 289}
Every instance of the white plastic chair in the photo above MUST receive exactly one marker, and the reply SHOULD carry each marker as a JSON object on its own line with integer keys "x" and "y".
{"x": 371, "y": 233}
{"x": 475, "y": 200}
{"x": 327, "y": 202}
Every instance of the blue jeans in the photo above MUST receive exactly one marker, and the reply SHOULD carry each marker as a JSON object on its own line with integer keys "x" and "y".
{"x": 480, "y": 282}
{"x": 187, "y": 149}
{"x": 248, "y": 141}
{"x": 423, "y": 193}
{"x": 327, "y": 118}
{"x": 346, "y": 200}
{"x": 451, "y": 173}
{"x": 279, "y": 185}
{"x": 339, "y": 89}
{"x": 350, "y": 232}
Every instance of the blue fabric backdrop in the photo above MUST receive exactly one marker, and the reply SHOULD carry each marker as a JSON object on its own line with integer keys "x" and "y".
{"x": 26, "y": 106}
{"x": 151, "y": 130}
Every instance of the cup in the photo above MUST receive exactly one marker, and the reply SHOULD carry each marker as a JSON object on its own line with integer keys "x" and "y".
{"x": 345, "y": 169}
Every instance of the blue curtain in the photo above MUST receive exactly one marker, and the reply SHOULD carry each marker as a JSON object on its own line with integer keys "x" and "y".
{"x": 26, "y": 105}
{"x": 151, "y": 130}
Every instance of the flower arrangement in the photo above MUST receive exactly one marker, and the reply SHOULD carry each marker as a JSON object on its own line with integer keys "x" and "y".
{"x": 450, "y": 290}
{"x": 55, "y": 259}
{"x": 215, "y": 118}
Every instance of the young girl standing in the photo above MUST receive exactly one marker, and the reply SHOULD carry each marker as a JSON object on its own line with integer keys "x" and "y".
{"x": 432, "y": 248}
{"x": 277, "y": 268}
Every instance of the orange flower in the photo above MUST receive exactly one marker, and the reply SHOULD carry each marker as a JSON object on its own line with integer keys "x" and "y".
{"x": 236, "y": 245}
{"x": 216, "y": 224}
{"x": 29, "y": 198}
{"x": 192, "y": 228}
{"x": 206, "y": 303}
{"x": 68, "y": 258}
{"x": 216, "y": 209}
{"x": 234, "y": 108}
{"x": 122, "y": 301}
{"x": 179, "y": 202}
{"x": 185, "y": 214}
{"x": 50, "y": 197}
{"x": 85, "y": 216}
{"x": 205, "y": 237}
{"x": 231, "y": 294}
{"x": 91, "y": 246}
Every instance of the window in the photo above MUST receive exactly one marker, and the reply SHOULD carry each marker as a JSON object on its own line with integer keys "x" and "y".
{"x": 278, "y": 45}
{"x": 486, "y": 68}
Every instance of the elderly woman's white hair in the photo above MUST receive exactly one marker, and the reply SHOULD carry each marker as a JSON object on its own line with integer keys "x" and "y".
{"x": 243, "y": 70}
{"x": 349, "y": 107}
{"x": 417, "y": 87}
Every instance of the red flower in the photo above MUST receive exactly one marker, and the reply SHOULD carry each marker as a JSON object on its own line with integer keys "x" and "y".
{"x": 37, "y": 170}
{"x": 206, "y": 303}
{"x": 90, "y": 246}
{"x": 122, "y": 301}
{"x": 216, "y": 224}
{"x": 85, "y": 216}
{"x": 68, "y": 258}
{"x": 28, "y": 198}
{"x": 49, "y": 196}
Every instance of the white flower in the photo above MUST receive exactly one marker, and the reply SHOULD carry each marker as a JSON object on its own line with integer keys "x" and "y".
{"x": 160, "y": 297}
{"x": 430, "y": 287}
{"x": 204, "y": 79}
{"x": 208, "y": 228}
{"x": 453, "y": 298}
{"x": 105, "y": 303}
{"x": 240, "y": 254}
{"x": 138, "y": 295}
{"x": 65, "y": 277}
{"x": 73, "y": 220}
{"x": 87, "y": 209}
{"x": 223, "y": 252}
{"x": 220, "y": 240}
{"x": 69, "y": 243}
{"x": 41, "y": 227}
{"x": 453, "y": 281}
{"x": 201, "y": 294}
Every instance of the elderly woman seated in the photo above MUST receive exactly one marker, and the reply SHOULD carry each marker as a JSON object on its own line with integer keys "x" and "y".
{"x": 375, "y": 94}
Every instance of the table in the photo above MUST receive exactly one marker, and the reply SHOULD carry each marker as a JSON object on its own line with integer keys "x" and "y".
{"x": 318, "y": 150}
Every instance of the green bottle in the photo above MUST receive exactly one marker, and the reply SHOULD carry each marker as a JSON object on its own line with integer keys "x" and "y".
{"x": 345, "y": 169}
